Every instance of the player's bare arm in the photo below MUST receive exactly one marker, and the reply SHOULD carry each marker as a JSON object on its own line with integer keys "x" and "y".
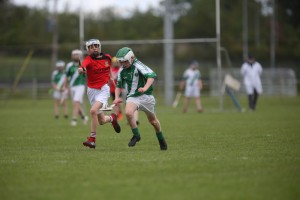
{"x": 65, "y": 83}
{"x": 200, "y": 84}
{"x": 117, "y": 95}
{"x": 147, "y": 85}
{"x": 111, "y": 78}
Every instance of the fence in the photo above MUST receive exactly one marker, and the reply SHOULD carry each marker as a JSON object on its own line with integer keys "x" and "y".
{"x": 35, "y": 81}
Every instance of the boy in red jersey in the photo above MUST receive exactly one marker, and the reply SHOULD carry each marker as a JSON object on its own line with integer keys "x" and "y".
{"x": 97, "y": 67}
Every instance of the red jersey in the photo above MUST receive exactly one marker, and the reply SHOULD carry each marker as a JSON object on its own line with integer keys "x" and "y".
{"x": 114, "y": 71}
{"x": 97, "y": 70}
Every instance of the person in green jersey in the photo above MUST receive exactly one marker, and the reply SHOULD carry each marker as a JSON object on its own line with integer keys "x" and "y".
{"x": 192, "y": 83}
{"x": 76, "y": 83}
{"x": 60, "y": 94}
{"x": 139, "y": 79}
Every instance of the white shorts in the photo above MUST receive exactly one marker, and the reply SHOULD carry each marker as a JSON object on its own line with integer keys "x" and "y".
{"x": 59, "y": 94}
{"x": 102, "y": 95}
{"x": 77, "y": 93}
{"x": 192, "y": 92}
{"x": 145, "y": 102}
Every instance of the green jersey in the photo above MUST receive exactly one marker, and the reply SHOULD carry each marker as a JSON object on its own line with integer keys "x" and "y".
{"x": 74, "y": 78}
{"x": 135, "y": 77}
{"x": 58, "y": 77}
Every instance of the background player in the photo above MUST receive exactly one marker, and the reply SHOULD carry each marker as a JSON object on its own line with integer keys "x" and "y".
{"x": 192, "y": 83}
{"x": 97, "y": 68}
{"x": 60, "y": 92}
{"x": 76, "y": 83}
{"x": 139, "y": 79}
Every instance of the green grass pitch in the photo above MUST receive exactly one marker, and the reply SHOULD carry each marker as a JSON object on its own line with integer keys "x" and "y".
{"x": 212, "y": 155}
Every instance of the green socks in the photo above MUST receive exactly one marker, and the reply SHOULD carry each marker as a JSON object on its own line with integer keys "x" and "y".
{"x": 159, "y": 136}
{"x": 135, "y": 132}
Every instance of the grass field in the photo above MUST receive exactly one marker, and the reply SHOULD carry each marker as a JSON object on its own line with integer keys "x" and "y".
{"x": 228, "y": 155}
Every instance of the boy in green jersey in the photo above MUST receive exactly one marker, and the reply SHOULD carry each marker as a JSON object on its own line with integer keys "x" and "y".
{"x": 60, "y": 94}
{"x": 76, "y": 82}
{"x": 139, "y": 79}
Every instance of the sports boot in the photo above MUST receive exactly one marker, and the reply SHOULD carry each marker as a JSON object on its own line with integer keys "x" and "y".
{"x": 134, "y": 140}
{"x": 115, "y": 123}
{"x": 91, "y": 142}
{"x": 163, "y": 144}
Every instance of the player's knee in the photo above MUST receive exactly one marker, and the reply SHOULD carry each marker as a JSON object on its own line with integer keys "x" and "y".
{"x": 93, "y": 112}
{"x": 154, "y": 122}
{"x": 129, "y": 114}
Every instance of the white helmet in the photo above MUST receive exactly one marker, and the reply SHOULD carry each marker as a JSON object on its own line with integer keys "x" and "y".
{"x": 91, "y": 42}
{"x": 77, "y": 52}
{"x": 60, "y": 63}
{"x": 125, "y": 54}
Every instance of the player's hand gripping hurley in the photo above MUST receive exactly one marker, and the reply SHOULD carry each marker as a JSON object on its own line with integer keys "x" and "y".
{"x": 109, "y": 108}
{"x": 82, "y": 67}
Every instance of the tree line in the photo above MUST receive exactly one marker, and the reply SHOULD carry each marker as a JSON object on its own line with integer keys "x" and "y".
{"x": 23, "y": 27}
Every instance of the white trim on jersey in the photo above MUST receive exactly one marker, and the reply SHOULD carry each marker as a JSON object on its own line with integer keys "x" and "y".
{"x": 74, "y": 77}
{"x": 119, "y": 76}
{"x": 69, "y": 65}
{"x": 135, "y": 81}
{"x": 191, "y": 77}
{"x": 144, "y": 69}
{"x": 61, "y": 82}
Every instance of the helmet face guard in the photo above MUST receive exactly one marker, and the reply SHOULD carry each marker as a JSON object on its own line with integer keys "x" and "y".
{"x": 125, "y": 54}
{"x": 93, "y": 42}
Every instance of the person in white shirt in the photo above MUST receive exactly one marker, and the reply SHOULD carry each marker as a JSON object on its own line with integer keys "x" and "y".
{"x": 192, "y": 83}
{"x": 251, "y": 71}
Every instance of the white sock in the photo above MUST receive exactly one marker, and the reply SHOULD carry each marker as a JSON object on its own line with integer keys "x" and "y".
{"x": 93, "y": 135}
